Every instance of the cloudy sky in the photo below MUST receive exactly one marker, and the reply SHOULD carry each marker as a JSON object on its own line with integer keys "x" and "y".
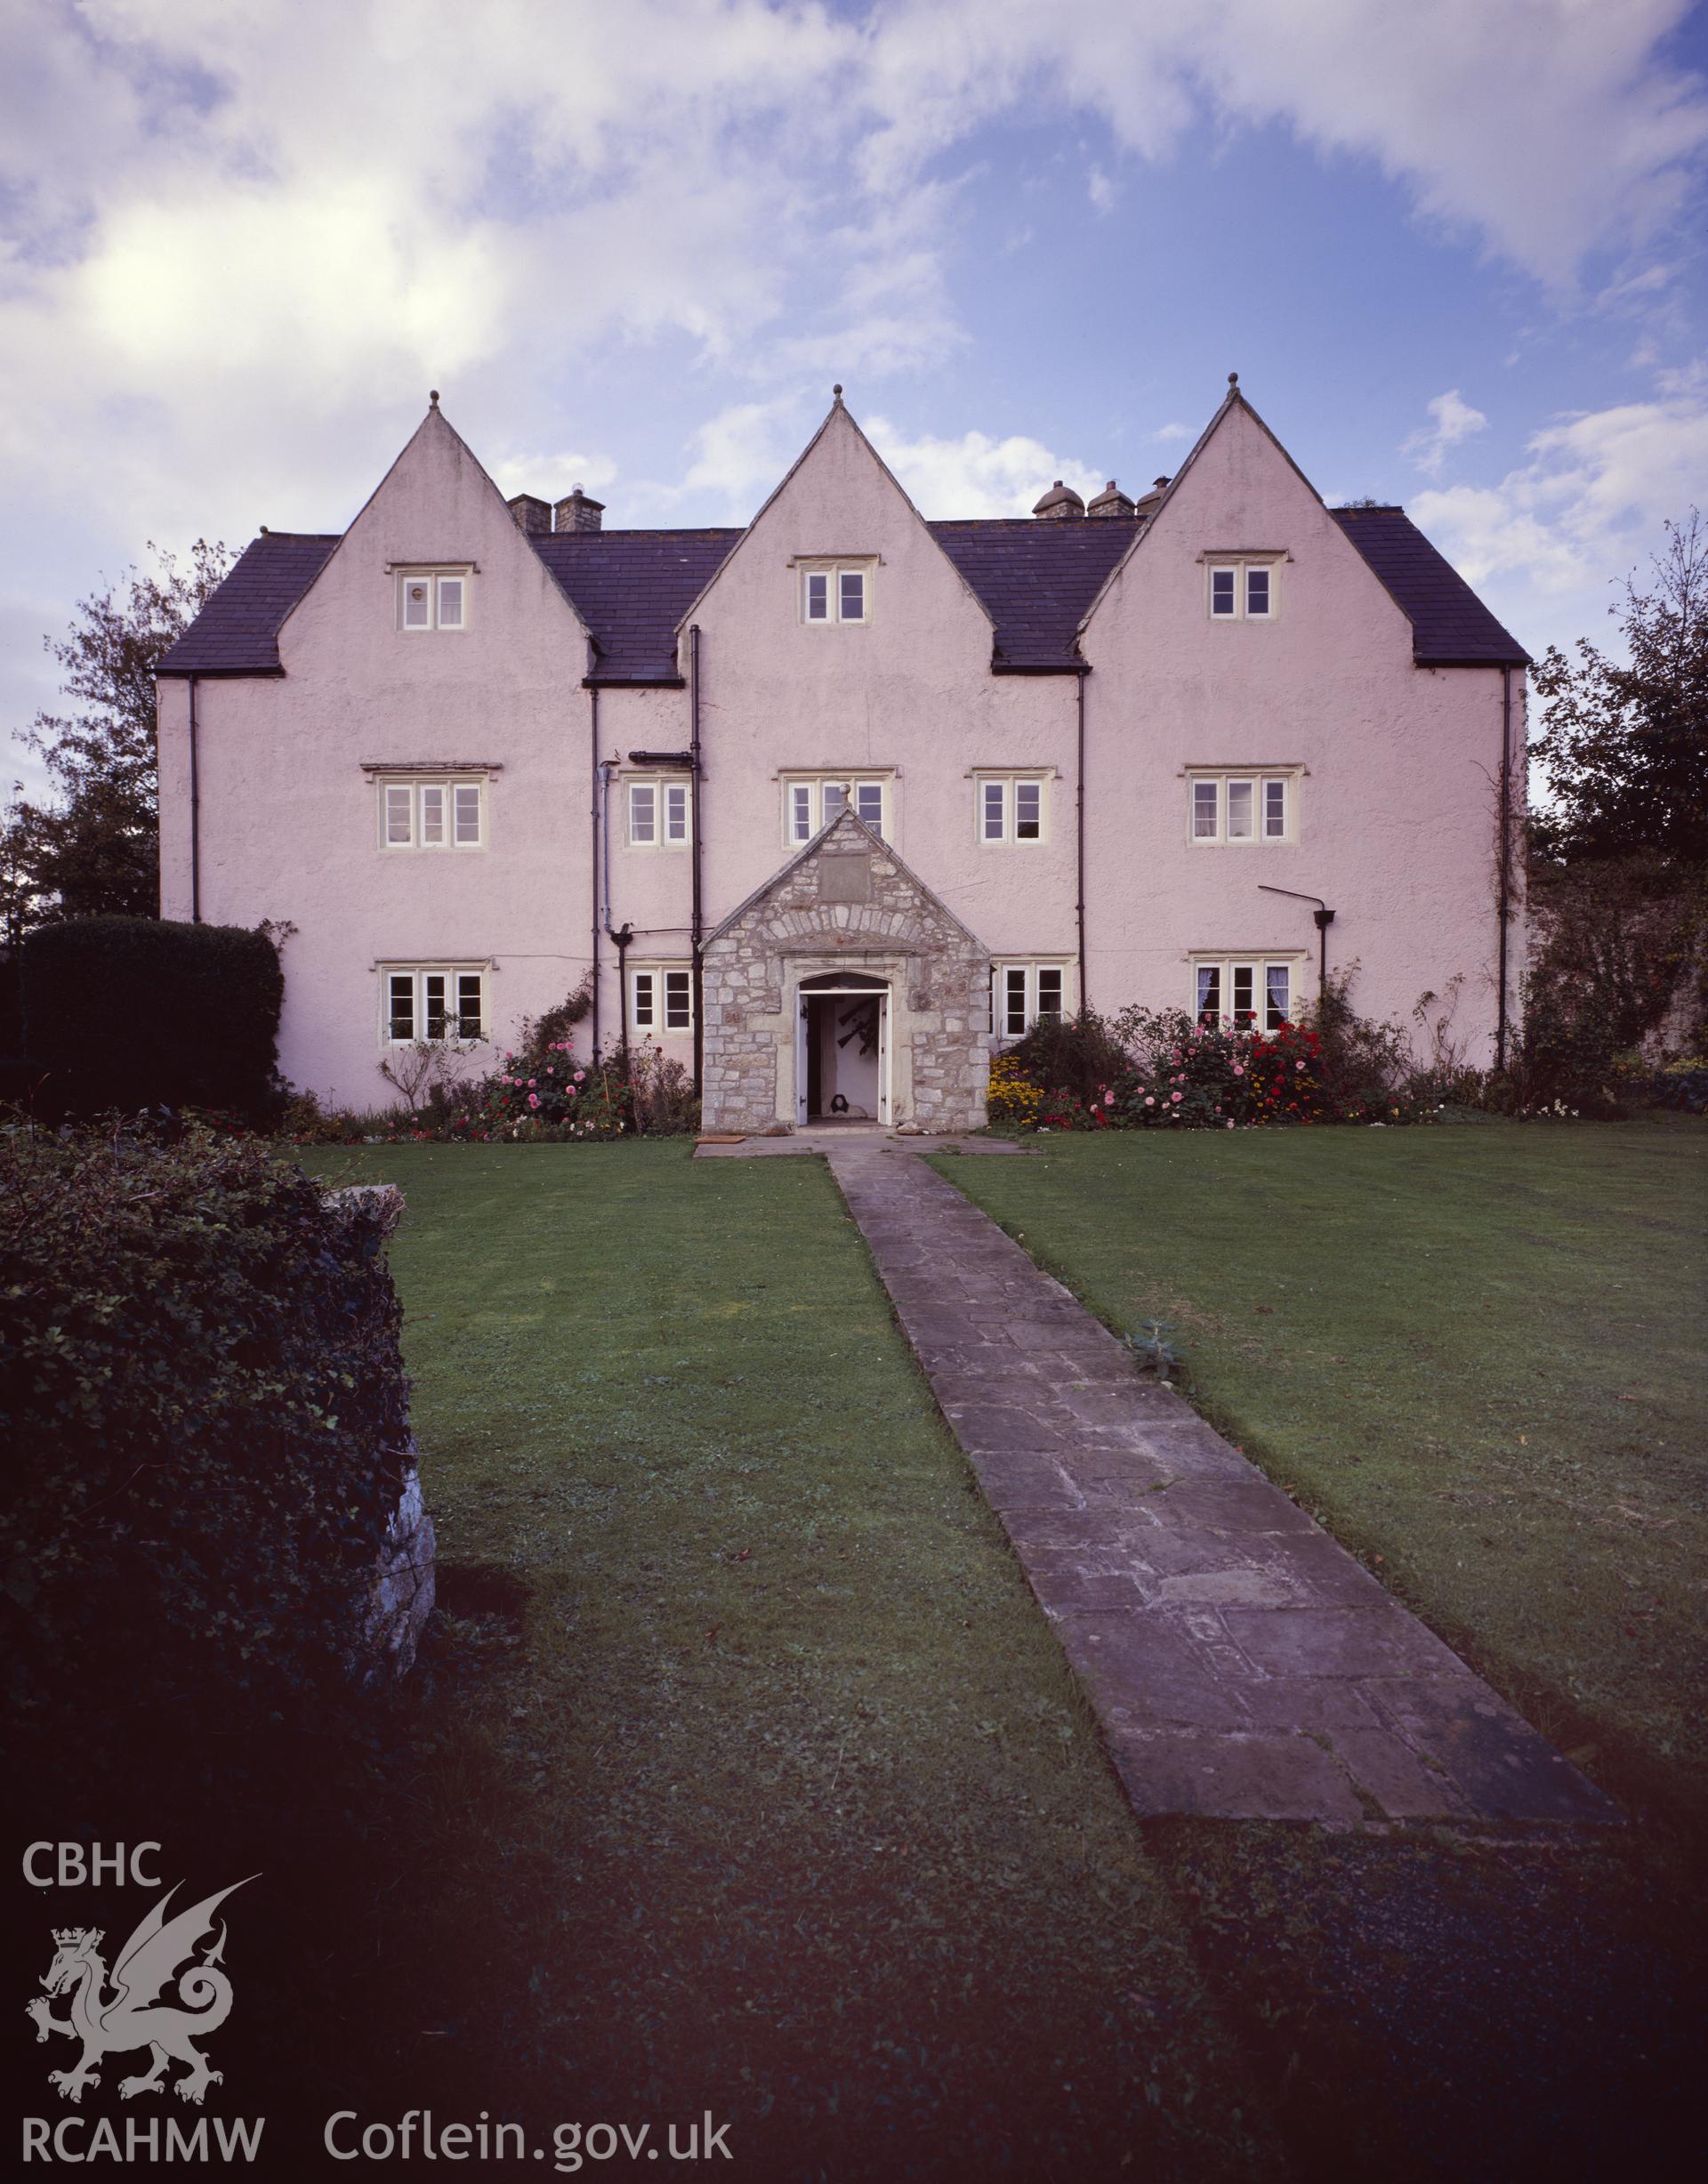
{"x": 1452, "y": 248}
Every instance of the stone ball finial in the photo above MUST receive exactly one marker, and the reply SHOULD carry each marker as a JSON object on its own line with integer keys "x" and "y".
{"x": 837, "y": 390}
{"x": 432, "y": 398}
{"x": 1233, "y": 379}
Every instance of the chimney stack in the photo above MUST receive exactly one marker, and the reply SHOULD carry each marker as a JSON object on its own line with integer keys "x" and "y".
{"x": 532, "y": 514}
{"x": 578, "y": 513}
{"x": 1110, "y": 502}
{"x": 1059, "y": 503}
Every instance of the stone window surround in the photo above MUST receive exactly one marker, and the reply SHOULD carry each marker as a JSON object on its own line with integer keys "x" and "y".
{"x": 1010, "y": 778}
{"x": 433, "y": 574}
{"x": 1292, "y": 774}
{"x": 817, "y": 778}
{"x": 414, "y": 780}
{"x": 1030, "y": 965}
{"x": 1239, "y": 560}
{"x": 661, "y": 783}
{"x": 658, "y": 973}
{"x": 1259, "y": 962}
{"x": 832, "y": 566}
{"x": 450, "y": 969}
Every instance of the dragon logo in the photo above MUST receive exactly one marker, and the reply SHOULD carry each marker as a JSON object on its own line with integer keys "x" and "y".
{"x": 132, "y": 2016}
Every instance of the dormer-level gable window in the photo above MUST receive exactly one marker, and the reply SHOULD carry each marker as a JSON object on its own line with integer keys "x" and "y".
{"x": 834, "y": 591}
{"x": 433, "y": 598}
{"x": 1242, "y": 587}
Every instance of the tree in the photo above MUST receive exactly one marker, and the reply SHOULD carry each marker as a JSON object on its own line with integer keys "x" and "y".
{"x": 94, "y": 850}
{"x": 1625, "y": 749}
{"x": 1619, "y": 863}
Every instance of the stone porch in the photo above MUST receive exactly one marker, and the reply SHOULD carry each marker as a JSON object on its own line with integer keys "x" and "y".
{"x": 845, "y": 903}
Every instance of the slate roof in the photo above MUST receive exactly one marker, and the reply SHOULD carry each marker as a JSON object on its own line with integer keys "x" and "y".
{"x": 236, "y": 633}
{"x": 1450, "y": 627}
{"x": 632, "y": 588}
{"x": 1037, "y": 578}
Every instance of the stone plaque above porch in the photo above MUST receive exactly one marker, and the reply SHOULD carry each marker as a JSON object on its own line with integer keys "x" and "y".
{"x": 845, "y": 900}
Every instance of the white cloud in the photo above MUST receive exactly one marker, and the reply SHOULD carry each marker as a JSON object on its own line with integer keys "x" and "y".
{"x": 1593, "y": 495}
{"x": 976, "y": 475}
{"x": 1485, "y": 114}
{"x": 549, "y": 477}
{"x": 237, "y": 229}
{"x": 1550, "y": 544}
{"x": 1451, "y": 420}
{"x": 740, "y": 455}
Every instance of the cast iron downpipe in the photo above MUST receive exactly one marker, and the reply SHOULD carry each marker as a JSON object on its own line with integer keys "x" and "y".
{"x": 697, "y": 933}
{"x": 592, "y": 713}
{"x": 1506, "y": 861}
{"x": 1324, "y": 918}
{"x": 195, "y": 815}
{"x": 622, "y": 935}
{"x": 1079, "y": 834}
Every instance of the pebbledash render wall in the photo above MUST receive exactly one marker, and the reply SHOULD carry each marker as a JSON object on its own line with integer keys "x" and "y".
{"x": 1394, "y": 765}
{"x": 288, "y": 764}
{"x": 847, "y": 903}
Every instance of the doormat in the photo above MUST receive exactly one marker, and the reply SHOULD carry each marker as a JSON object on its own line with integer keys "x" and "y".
{"x": 723, "y": 1137}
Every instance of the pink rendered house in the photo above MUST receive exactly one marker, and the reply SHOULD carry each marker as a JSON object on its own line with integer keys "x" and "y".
{"x": 833, "y": 806}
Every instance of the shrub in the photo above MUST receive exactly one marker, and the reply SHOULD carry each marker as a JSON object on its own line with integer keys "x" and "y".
{"x": 1367, "y": 1069}
{"x": 1077, "y": 1054}
{"x": 203, "y": 1397}
{"x": 134, "y": 1013}
{"x": 1186, "y": 1075}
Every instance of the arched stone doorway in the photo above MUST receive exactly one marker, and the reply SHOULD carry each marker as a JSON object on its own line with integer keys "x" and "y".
{"x": 841, "y": 1070}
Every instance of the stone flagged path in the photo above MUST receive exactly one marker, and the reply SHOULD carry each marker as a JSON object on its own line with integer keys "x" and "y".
{"x": 1241, "y": 1664}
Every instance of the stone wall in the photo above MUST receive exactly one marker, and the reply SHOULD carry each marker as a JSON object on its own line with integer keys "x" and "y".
{"x": 846, "y": 902}
{"x": 398, "y": 1592}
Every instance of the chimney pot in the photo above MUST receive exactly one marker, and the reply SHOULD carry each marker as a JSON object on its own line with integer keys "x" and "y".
{"x": 533, "y": 514}
{"x": 1111, "y": 501}
{"x": 578, "y": 512}
{"x": 1059, "y": 503}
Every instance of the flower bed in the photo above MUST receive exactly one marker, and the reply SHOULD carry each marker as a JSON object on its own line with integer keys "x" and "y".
{"x": 1173, "y": 1074}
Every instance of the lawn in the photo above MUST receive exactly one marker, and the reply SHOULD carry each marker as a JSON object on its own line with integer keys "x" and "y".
{"x": 790, "y": 1794}
{"x": 1475, "y": 1352}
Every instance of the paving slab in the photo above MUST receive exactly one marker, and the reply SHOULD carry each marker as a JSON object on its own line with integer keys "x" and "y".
{"x": 1242, "y": 1665}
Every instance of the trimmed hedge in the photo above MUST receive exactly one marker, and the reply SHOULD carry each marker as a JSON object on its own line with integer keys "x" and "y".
{"x": 135, "y": 1012}
{"x": 203, "y": 1405}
